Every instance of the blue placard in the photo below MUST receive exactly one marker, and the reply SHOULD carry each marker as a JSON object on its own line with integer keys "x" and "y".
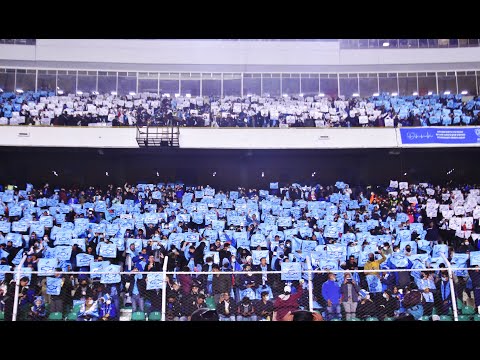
{"x": 154, "y": 281}
{"x": 15, "y": 211}
{"x": 84, "y": 259}
{"x": 46, "y": 267}
{"x": 112, "y": 276}
{"x": 19, "y": 226}
{"x": 328, "y": 264}
{"x": 398, "y": 259}
{"x": 5, "y": 226}
{"x": 63, "y": 253}
{"x": 46, "y": 221}
{"x": 3, "y": 269}
{"x": 107, "y": 250}
{"x": 15, "y": 238}
{"x": 337, "y": 251}
{"x": 291, "y": 271}
{"x": 438, "y": 249}
{"x": 98, "y": 266}
{"x": 308, "y": 246}
{"x": 284, "y": 221}
{"x": 474, "y": 258}
{"x": 433, "y": 135}
{"x": 258, "y": 240}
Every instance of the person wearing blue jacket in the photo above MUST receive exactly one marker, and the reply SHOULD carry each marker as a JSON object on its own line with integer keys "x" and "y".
{"x": 332, "y": 295}
{"x": 107, "y": 311}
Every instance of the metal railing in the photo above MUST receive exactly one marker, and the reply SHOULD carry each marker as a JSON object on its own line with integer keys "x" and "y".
{"x": 247, "y": 295}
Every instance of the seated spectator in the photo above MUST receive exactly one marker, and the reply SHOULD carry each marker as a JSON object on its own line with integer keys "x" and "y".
{"x": 365, "y": 308}
{"x": 246, "y": 310}
{"x": 38, "y": 312}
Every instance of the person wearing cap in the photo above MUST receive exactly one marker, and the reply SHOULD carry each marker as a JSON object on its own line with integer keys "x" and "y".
{"x": 226, "y": 308}
{"x": 287, "y": 302}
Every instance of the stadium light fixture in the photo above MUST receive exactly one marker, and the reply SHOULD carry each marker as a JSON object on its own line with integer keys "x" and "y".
{"x": 313, "y": 174}
{"x": 188, "y": 95}
{"x": 446, "y": 92}
{"x": 394, "y": 94}
{"x": 376, "y": 94}
{"x": 263, "y": 174}
{"x": 158, "y": 174}
{"x": 79, "y": 92}
{"x": 20, "y": 91}
{"x": 415, "y": 93}
{"x": 106, "y": 173}
{"x": 355, "y": 95}
{"x": 464, "y": 92}
{"x": 114, "y": 93}
{"x": 404, "y": 174}
{"x": 131, "y": 93}
{"x": 386, "y": 44}
{"x": 60, "y": 92}
{"x": 214, "y": 173}
{"x": 54, "y": 173}
{"x": 1, "y": 90}
{"x": 430, "y": 93}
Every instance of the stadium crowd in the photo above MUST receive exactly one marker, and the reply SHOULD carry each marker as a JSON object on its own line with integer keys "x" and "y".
{"x": 256, "y": 233}
{"x": 43, "y": 108}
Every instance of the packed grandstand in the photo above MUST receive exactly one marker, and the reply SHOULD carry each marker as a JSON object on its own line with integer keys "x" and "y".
{"x": 83, "y": 109}
{"x": 248, "y": 225}
{"x": 232, "y": 250}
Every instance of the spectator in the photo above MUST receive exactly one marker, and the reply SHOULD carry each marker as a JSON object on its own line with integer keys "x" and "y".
{"x": 88, "y": 310}
{"x": 349, "y": 296}
{"x": 286, "y": 303}
{"x": 226, "y": 308}
{"x": 331, "y": 293}
{"x": 366, "y": 307}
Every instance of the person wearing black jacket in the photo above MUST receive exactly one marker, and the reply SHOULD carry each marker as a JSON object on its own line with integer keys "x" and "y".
{"x": 227, "y": 308}
{"x": 137, "y": 289}
{"x": 475, "y": 277}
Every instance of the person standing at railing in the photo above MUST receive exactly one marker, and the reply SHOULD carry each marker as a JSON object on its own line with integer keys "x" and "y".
{"x": 332, "y": 294}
